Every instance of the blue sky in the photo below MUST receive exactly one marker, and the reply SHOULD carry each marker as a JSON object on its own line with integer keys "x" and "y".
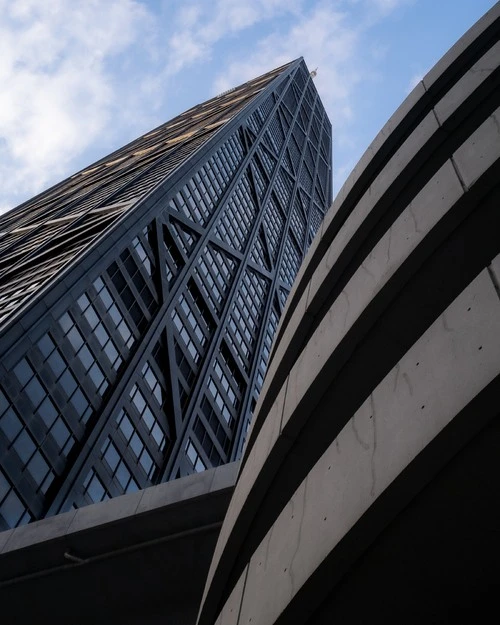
{"x": 80, "y": 78}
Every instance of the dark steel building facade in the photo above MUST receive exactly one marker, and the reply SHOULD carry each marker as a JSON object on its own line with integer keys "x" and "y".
{"x": 139, "y": 298}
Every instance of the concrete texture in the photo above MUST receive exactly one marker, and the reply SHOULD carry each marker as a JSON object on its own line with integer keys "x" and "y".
{"x": 407, "y": 115}
{"x": 470, "y": 81}
{"x": 4, "y": 538}
{"x": 261, "y": 468}
{"x": 407, "y": 232}
{"x": 480, "y": 151}
{"x": 132, "y": 559}
{"x": 231, "y": 610}
{"x": 98, "y": 514}
{"x": 385, "y": 136}
{"x": 39, "y": 532}
{"x": 456, "y": 358}
{"x": 386, "y": 355}
{"x": 349, "y": 221}
{"x": 437, "y": 561}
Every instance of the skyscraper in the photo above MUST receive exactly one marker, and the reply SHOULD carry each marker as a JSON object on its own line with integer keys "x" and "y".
{"x": 139, "y": 297}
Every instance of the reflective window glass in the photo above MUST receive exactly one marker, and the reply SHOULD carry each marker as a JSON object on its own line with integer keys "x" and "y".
{"x": 12, "y": 509}
{"x": 60, "y": 432}
{"x": 38, "y": 468}
{"x": 86, "y": 357}
{"x": 112, "y": 456}
{"x": 48, "y": 412}
{"x": 10, "y": 424}
{"x": 24, "y": 446}
{"x": 79, "y": 402}
{"x": 4, "y": 486}
{"x": 66, "y": 322}
{"x": 68, "y": 382}
{"x": 75, "y": 338}
{"x": 56, "y": 363}
{"x": 23, "y": 372}
{"x": 122, "y": 475}
{"x": 95, "y": 489}
{"x": 46, "y": 345}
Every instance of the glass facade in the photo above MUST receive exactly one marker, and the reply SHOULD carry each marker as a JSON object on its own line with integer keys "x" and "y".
{"x": 139, "y": 298}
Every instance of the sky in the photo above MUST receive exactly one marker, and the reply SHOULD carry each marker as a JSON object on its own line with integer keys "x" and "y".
{"x": 80, "y": 78}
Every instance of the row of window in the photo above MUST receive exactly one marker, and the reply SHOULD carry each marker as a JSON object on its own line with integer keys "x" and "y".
{"x": 261, "y": 181}
{"x": 207, "y": 444}
{"x": 259, "y": 253}
{"x": 298, "y": 222}
{"x": 274, "y": 223}
{"x": 194, "y": 457}
{"x": 63, "y": 377}
{"x": 290, "y": 262}
{"x": 198, "y": 198}
{"x": 214, "y": 272}
{"x": 12, "y": 510}
{"x": 92, "y": 341}
{"x": 238, "y": 217}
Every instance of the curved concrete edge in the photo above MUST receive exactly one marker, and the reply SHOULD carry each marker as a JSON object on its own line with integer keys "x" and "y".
{"x": 439, "y": 196}
{"x": 292, "y": 329}
{"x": 394, "y": 133}
{"x": 446, "y": 369}
{"x": 314, "y": 368}
{"x": 473, "y": 78}
{"x": 323, "y": 279}
{"x": 483, "y": 28}
{"x": 369, "y": 280}
{"x": 230, "y": 613}
{"x": 251, "y": 485}
{"x": 467, "y": 165}
{"x": 120, "y": 522}
{"x": 140, "y": 558}
{"x": 333, "y": 246}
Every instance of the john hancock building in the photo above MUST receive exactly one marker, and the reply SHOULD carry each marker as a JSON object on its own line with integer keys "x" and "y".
{"x": 139, "y": 297}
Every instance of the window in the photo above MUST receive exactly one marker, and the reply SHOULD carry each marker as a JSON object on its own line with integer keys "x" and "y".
{"x": 219, "y": 401}
{"x": 94, "y": 488}
{"x": 47, "y": 412}
{"x": 30, "y": 384}
{"x": 237, "y": 219}
{"x": 110, "y": 455}
{"x": 113, "y": 311}
{"x": 39, "y": 469}
{"x": 194, "y": 457}
{"x": 153, "y": 383}
{"x": 10, "y": 424}
{"x": 12, "y": 509}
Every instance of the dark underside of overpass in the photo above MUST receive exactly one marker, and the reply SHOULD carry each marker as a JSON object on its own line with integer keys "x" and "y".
{"x": 139, "y": 559}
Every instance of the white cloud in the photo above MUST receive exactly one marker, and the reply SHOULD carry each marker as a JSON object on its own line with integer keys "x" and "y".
{"x": 333, "y": 36}
{"x": 414, "y": 80}
{"x": 86, "y": 74}
{"x": 387, "y": 6}
{"x": 324, "y": 39}
{"x": 200, "y": 25}
{"x": 58, "y": 92}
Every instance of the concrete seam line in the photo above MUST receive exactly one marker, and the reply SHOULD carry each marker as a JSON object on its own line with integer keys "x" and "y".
{"x": 110, "y": 554}
{"x": 494, "y": 279}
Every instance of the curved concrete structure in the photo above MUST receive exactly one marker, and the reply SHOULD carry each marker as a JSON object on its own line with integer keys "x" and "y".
{"x": 372, "y": 458}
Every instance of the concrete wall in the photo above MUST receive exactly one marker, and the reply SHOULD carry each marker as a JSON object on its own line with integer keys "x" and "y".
{"x": 134, "y": 560}
{"x": 384, "y": 372}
